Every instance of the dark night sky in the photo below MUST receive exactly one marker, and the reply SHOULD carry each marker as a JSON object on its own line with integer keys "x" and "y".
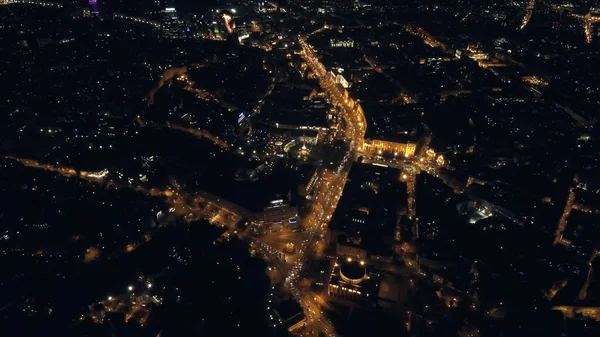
{"x": 184, "y": 7}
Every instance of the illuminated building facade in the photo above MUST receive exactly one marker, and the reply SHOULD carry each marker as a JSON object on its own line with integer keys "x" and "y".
{"x": 172, "y": 25}
{"x": 339, "y": 79}
{"x": 278, "y": 212}
{"x": 383, "y": 147}
{"x": 341, "y": 43}
{"x": 579, "y": 312}
{"x": 350, "y": 280}
{"x": 244, "y": 124}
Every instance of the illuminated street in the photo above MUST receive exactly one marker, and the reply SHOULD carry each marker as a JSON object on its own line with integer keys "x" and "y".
{"x": 300, "y": 168}
{"x": 329, "y": 190}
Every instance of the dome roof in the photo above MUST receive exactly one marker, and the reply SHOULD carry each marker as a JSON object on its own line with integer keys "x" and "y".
{"x": 353, "y": 272}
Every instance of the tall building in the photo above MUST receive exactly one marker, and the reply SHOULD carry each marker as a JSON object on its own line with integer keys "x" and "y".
{"x": 244, "y": 125}
{"x": 173, "y": 27}
{"x": 383, "y": 147}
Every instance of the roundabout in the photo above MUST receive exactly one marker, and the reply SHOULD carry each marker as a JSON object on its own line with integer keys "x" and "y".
{"x": 289, "y": 248}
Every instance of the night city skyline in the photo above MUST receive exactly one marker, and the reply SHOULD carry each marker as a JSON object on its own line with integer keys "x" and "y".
{"x": 307, "y": 168}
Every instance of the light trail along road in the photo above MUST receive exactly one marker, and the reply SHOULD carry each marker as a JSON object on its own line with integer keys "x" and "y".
{"x": 328, "y": 193}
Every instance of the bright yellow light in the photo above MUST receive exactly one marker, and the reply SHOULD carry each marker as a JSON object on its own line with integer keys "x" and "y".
{"x": 130, "y": 288}
{"x": 362, "y": 263}
{"x": 349, "y": 259}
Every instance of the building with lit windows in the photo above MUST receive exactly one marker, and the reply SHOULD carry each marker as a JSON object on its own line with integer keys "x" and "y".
{"x": 335, "y": 43}
{"x": 351, "y": 280}
{"x": 311, "y": 183}
{"x": 389, "y": 148}
{"x": 278, "y": 213}
{"x": 339, "y": 79}
{"x": 172, "y": 25}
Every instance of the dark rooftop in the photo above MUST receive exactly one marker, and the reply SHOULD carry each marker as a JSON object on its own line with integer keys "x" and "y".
{"x": 289, "y": 311}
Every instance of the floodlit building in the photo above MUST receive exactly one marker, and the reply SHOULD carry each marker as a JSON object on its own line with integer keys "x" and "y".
{"x": 290, "y": 315}
{"x": 311, "y": 182}
{"x": 351, "y": 280}
{"x": 339, "y": 79}
{"x": 279, "y": 213}
{"x": 335, "y": 43}
{"x": 383, "y": 147}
